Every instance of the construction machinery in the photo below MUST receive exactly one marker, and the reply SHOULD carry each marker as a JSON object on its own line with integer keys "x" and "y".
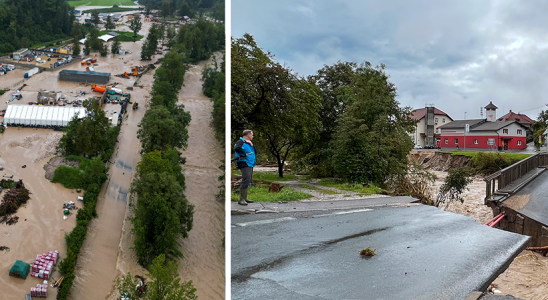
{"x": 100, "y": 89}
{"x": 135, "y": 105}
{"x": 90, "y": 69}
{"x": 136, "y": 71}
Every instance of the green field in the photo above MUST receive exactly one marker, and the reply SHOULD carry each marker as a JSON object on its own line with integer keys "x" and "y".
{"x": 363, "y": 190}
{"x": 100, "y": 2}
{"x": 124, "y": 37}
{"x": 110, "y": 10}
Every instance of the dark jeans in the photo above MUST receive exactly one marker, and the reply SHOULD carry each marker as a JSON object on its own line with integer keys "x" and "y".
{"x": 247, "y": 175}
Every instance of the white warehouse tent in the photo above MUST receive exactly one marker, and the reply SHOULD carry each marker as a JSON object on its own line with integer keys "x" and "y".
{"x": 41, "y": 116}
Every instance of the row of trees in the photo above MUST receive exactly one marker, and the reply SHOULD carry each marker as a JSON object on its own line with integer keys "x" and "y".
{"x": 213, "y": 78}
{"x": 27, "y": 22}
{"x": 343, "y": 121}
{"x": 91, "y": 141}
{"x": 162, "y": 214}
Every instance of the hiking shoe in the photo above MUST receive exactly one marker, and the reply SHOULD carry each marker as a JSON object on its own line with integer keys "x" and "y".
{"x": 249, "y": 201}
{"x": 242, "y": 202}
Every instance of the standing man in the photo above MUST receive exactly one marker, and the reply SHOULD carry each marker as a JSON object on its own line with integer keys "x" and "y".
{"x": 245, "y": 154}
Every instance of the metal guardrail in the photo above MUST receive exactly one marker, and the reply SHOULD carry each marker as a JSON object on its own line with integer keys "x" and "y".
{"x": 501, "y": 179}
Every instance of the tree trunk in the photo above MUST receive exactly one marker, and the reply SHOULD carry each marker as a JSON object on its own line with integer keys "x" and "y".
{"x": 280, "y": 167}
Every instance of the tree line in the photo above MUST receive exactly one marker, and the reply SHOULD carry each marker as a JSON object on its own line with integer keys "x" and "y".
{"x": 344, "y": 121}
{"x": 24, "y": 23}
{"x": 91, "y": 141}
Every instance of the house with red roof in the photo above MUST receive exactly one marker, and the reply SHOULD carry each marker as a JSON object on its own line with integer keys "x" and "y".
{"x": 486, "y": 133}
{"x": 520, "y": 118}
{"x": 427, "y": 128}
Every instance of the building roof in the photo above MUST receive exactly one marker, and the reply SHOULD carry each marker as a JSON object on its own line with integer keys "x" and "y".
{"x": 520, "y": 118}
{"x": 106, "y": 37}
{"x": 114, "y": 34}
{"x": 457, "y": 124}
{"x": 418, "y": 114}
{"x": 84, "y": 73}
{"x": 491, "y": 105}
{"x": 478, "y": 125}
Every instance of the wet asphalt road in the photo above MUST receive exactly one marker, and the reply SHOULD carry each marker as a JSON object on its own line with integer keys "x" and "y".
{"x": 421, "y": 253}
{"x": 536, "y": 208}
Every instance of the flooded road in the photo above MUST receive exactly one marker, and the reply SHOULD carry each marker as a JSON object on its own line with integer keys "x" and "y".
{"x": 204, "y": 254}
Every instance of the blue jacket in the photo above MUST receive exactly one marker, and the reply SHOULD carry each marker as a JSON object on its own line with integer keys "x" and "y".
{"x": 245, "y": 152}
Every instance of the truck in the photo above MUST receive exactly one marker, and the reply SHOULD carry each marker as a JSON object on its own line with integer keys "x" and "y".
{"x": 31, "y": 72}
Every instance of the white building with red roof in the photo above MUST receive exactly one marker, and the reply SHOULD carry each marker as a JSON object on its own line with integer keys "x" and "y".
{"x": 427, "y": 128}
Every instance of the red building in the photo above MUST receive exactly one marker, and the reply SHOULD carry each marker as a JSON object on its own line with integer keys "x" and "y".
{"x": 484, "y": 133}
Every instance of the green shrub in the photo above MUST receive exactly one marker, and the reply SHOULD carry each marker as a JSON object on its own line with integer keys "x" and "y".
{"x": 455, "y": 183}
{"x": 70, "y": 178}
{"x": 488, "y": 163}
{"x": 2, "y": 92}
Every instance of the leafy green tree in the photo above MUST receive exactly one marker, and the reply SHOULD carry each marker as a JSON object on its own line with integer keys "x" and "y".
{"x": 75, "y": 46}
{"x": 115, "y": 47}
{"x": 110, "y": 25}
{"x": 185, "y": 10}
{"x": 371, "y": 142}
{"x": 87, "y": 47}
{"x": 145, "y": 48}
{"x": 159, "y": 130}
{"x": 95, "y": 43}
{"x": 164, "y": 283}
{"x": 170, "y": 35}
{"x": 135, "y": 26}
{"x": 454, "y": 185}
{"x": 166, "y": 10}
{"x": 219, "y": 11}
{"x": 172, "y": 70}
{"x": 95, "y": 18}
{"x": 161, "y": 213}
{"x": 270, "y": 99}
{"x": 104, "y": 50}
{"x": 316, "y": 156}
{"x": 87, "y": 136}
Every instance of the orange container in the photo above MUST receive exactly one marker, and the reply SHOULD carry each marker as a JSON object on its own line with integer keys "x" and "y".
{"x": 99, "y": 89}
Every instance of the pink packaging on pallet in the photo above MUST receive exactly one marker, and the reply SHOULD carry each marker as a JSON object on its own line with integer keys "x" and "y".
{"x": 48, "y": 268}
{"x": 46, "y": 275}
{"x": 33, "y": 268}
{"x": 41, "y": 274}
{"x": 33, "y": 274}
{"x": 33, "y": 292}
{"x": 50, "y": 252}
{"x": 38, "y": 292}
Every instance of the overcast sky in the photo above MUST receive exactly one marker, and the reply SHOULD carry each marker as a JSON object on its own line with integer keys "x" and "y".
{"x": 457, "y": 55}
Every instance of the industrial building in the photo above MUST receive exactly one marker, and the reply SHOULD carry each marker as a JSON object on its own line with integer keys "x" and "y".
{"x": 41, "y": 116}
{"x": 84, "y": 76}
{"x": 48, "y": 97}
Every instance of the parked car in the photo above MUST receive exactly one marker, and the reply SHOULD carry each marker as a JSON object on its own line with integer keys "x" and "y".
{"x": 418, "y": 147}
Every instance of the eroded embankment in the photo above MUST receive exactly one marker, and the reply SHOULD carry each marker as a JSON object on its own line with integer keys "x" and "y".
{"x": 438, "y": 161}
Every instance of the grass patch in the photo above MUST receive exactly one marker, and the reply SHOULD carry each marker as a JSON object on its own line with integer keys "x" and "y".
{"x": 363, "y": 190}
{"x": 100, "y": 2}
{"x": 2, "y": 92}
{"x": 125, "y": 36}
{"x": 267, "y": 176}
{"x": 260, "y": 193}
{"x": 513, "y": 156}
{"x": 110, "y": 10}
{"x": 315, "y": 188}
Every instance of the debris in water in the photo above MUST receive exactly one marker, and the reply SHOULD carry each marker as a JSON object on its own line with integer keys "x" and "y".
{"x": 367, "y": 252}
{"x": 5, "y": 248}
{"x": 24, "y": 166}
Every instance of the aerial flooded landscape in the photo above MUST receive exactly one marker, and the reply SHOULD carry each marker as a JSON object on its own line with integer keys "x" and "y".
{"x": 76, "y": 142}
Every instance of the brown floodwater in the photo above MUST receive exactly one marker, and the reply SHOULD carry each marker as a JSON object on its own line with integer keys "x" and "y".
{"x": 204, "y": 261}
{"x": 106, "y": 252}
{"x": 41, "y": 226}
